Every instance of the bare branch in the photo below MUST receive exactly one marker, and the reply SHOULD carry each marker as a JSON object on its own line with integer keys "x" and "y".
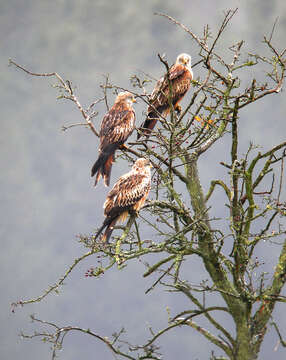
{"x": 66, "y": 86}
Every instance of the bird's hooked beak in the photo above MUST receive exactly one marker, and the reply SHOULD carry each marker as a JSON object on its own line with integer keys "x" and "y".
{"x": 148, "y": 163}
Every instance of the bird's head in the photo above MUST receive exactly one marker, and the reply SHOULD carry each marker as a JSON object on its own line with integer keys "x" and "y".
{"x": 184, "y": 59}
{"x": 141, "y": 163}
{"x": 125, "y": 96}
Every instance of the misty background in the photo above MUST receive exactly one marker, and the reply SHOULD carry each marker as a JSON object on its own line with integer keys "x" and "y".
{"x": 47, "y": 195}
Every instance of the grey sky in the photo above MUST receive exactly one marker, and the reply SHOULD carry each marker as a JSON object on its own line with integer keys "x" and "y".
{"x": 47, "y": 197}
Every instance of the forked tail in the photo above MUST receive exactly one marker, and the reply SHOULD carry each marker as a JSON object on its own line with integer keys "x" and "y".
{"x": 109, "y": 224}
{"x": 102, "y": 166}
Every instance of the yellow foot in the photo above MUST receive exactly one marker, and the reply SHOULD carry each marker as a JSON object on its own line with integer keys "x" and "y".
{"x": 123, "y": 147}
{"x": 178, "y": 109}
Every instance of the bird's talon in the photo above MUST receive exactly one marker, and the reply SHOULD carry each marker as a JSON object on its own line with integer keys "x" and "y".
{"x": 178, "y": 109}
{"x": 123, "y": 147}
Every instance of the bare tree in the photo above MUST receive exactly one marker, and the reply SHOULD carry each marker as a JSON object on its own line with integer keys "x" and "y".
{"x": 184, "y": 223}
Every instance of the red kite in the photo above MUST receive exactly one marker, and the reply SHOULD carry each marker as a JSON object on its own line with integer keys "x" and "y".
{"x": 127, "y": 195}
{"x": 180, "y": 77}
{"x": 117, "y": 125}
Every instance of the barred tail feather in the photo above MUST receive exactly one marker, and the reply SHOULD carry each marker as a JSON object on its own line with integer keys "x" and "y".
{"x": 151, "y": 120}
{"x": 109, "y": 225}
{"x": 102, "y": 166}
{"x": 97, "y": 166}
{"x": 99, "y": 231}
{"x": 147, "y": 127}
{"x": 109, "y": 229}
{"x": 107, "y": 169}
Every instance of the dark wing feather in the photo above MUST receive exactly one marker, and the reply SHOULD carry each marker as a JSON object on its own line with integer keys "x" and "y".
{"x": 180, "y": 78}
{"x": 126, "y": 193}
{"x": 159, "y": 96}
{"x": 117, "y": 125}
{"x": 129, "y": 191}
{"x": 176, "y": 71}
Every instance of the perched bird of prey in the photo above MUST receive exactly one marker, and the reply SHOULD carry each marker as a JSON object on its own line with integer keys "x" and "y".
{"x": 117, "y": 125}
{"x": 180, "y": 77}
{"x": 127, "y": 195}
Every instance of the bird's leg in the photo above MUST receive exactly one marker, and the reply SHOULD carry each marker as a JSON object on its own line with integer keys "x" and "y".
{"x": 134, "y": 212}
